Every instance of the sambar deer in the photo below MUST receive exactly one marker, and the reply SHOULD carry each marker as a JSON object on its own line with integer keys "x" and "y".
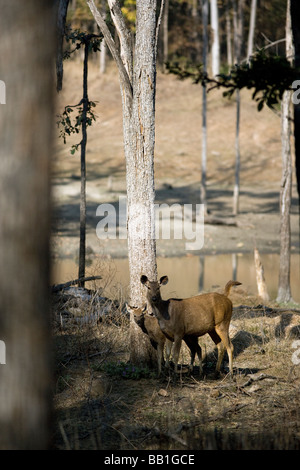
{"x": 193, "y": 317}
{"x": 149, "y": 325}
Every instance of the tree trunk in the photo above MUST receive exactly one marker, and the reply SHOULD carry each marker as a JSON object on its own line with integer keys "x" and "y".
{"x": 102, "y": 55}
{"x": 204, "y": 104}
{"x": 215, "y": 50}
{"x": 295, "y": 18}
{"x": 251, "y": 28}
{"x": 138, "y": 86}
{"x": 61, "y": 21}
{"x": 165, "y": 34}
{"x": 260, "y": 277}
{"x": 139, "y": 153}
{"x": 284, "y": 289}
{"x": 103, "y": 48}
{"x": 236, "y": 190}
{"x": 238, "y": 30}
{"x": 82, "y": 235}
{"x": 195, "y": 37}
{"x": 28, "y": 41}
{"x": 228, "y": 34}
{"x": 238, "y": 23}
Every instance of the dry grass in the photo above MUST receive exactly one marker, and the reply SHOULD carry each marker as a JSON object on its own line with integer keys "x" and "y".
{"x": 102, "y": 404}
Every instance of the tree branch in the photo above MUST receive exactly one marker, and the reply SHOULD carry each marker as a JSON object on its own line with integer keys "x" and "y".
{"x": 125, "y": 80}
{"x": 162, "y": 6}
{"x": 59, "y": 287}
{"x": 124, "y": 36}
{"x": 61, "y": 21}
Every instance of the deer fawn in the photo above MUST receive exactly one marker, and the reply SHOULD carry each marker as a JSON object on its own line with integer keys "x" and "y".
{"x": 149, "y": 325}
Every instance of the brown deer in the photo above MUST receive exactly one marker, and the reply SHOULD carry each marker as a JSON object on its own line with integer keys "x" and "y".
{"x": 193, "y": 317}
{"x": 149, "y": 325}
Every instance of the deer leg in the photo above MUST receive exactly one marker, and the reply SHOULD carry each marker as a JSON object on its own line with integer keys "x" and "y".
{"x": 192, "y": 343}
{"x": 218, "y": 342}
{"x": 169, "y": 345}
{"x": 176, "y": 351}
{"x": 159, "y": 359}
{"x": 222, "y": 331}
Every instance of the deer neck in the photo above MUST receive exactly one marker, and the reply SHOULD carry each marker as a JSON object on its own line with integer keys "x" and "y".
{"x": 161, "y": 309}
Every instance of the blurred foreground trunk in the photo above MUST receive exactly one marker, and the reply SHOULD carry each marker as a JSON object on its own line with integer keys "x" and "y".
{"x": 27, "y": 50}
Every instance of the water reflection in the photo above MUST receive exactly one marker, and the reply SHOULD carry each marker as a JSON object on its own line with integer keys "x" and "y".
{"x": 192, "y": 274}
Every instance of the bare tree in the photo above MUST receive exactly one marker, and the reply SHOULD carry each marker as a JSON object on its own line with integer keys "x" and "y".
{"x": 215, "y": 49}
{"x": 27, "y": 47}
{"x": 251, "y": 28}
{"x": 284, "y": 289}
{"x": 165, "y": 34}
{"x": 137, "y": 72}
{"x": 238, "y": 14}
{"x": 102, "y": 60}
{"x": 295, "y": 19}
{"x": 61, "y": 21}
{"x": 103, "y": 48}
{"x": 83, "y": 143}
{"x": 205, "y": 5}
{"x": 228, "y": 32}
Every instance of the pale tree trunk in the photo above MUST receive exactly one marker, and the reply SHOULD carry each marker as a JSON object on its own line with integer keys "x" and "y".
{"x": 251, "y": 28}
{"x": 28, "y": 43}
{"x": 139, "y": 153}
{"x": 138, "y": 86}
{"x": 284, "y": 289}
{"x": 260, "y": 277}
{"x": 228, "y": 33}
{"x": 103, "y": 48}
{"x": 102, "y": 58}
{"x": 204, "y": 103}
{"x": 236, "y": 190}
{"x": 238, "y": 13}
{"x": 238, "y": 23}
{"x": 215, "y": 49}
{"x": 165, "y": 34}
{"x": 295, "y": 19}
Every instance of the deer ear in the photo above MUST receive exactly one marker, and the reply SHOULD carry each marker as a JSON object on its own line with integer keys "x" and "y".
{"x": 164, "y": 280}
{"x": 144, "y": 279}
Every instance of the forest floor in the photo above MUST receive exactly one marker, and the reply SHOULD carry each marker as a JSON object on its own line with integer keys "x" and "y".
{"x": 104, "y": 403}
{"x": 100, "y": 401}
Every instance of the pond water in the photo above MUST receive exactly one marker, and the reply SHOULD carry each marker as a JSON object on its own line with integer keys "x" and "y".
{"x": 189, "y": 275}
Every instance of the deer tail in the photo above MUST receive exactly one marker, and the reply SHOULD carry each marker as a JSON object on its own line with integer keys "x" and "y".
{"x": 229, "y": 286}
